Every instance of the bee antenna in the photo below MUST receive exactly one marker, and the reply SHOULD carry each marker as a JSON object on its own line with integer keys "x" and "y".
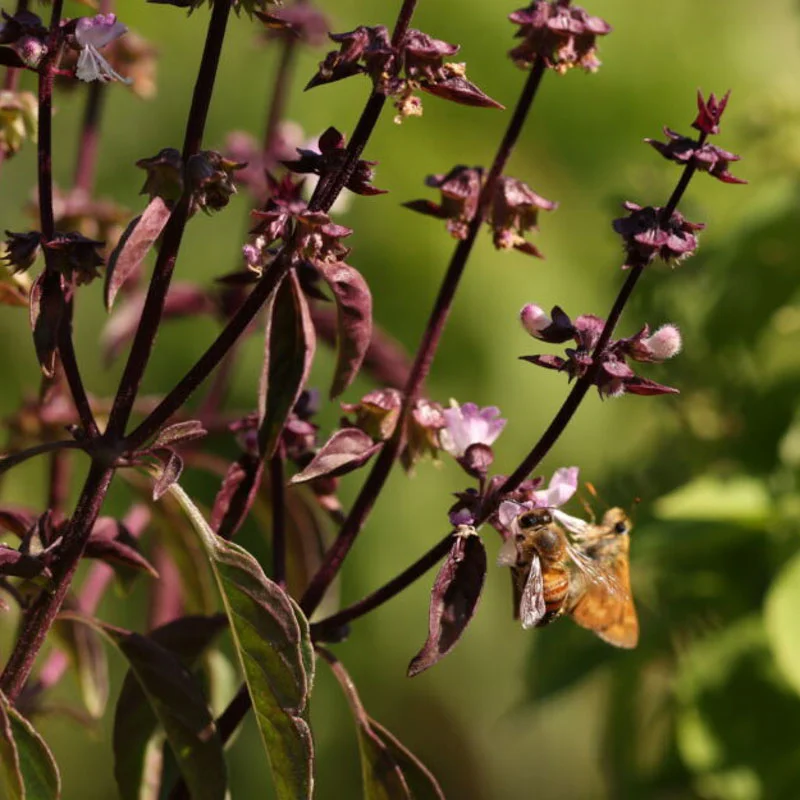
{"x": 632, "y": 513}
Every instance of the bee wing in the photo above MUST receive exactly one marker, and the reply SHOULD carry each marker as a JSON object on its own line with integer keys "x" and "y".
{"x": 579, "y": 528}
{"x": 531, "y": 604}
{"x": 607, "y": 607}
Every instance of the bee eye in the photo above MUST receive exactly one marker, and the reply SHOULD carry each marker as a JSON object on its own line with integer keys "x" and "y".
{"x": 545, "y": 518}
{"x": 527, "y": 521}
{"x": 621, "y": 527}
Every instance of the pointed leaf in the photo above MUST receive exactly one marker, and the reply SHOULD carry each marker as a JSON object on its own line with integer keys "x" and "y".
{"x": 454, "y": 598}
{"x": 346, "y": 450}
{"x": 134, "y": 244}
{"x": 354, "y": 307}
{"x": 384, "y": 760}
{"x": 27, "y": 766}
{"x": 46, "y": 312}
{"x": 172, "y": 467}
{"x": 180, "y": 432}
{"x": 135, "y": 723}
{"x": 289, "y": 344}
{"x": 112, "y": 542}
{"x": 177, "y": 700}
{"x": 272, "y": 641}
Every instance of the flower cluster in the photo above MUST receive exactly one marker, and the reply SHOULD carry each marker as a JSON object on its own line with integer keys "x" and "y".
{"x": 609, "y": 369}
{"x": 416, "y": 63}
{"x": 513, "y": 208}
{"x": 564, "y": 36}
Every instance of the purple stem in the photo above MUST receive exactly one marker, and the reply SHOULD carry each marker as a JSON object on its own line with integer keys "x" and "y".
{"x": 173, "y": 231}
{"x": 40, "y": 616}
{"x": 90, "y": 137}
{"x": 422, "y": 363}
{"x": 280, "y": 92}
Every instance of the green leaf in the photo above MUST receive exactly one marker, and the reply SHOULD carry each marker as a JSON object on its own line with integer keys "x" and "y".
{"x": 740, "y": 499}
{"x": 29, "y": 771}
{"x": 176, "y": 699}
{"x": 136, "y": 732}
{"x": 386, "y": 764}
{"x": 272, "y": 641}
{"x": 780, "y": 617}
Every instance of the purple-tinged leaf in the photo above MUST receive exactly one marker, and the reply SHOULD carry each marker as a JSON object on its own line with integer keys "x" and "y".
{"x": 111, "y": 542}
{"x": 236, "y": 495}
{"x": 183, "y": 300}
{"x": 347, "y": 450}
{"x": 21, "y": 565}
{"x": 289, "y": 344}
{"x": 135, "y": 723}
{"x": 273, "y": 644}
{"x": 16, "y": 519}
{"x": 177, "y": 701}
{"x": 386, "y": 764}
{"x": 307, "y": 535}
{"x": 180, "y": 433}
{"x": 171, "y": 469}
{"x": 88, "y": 658}
{"x": 125, "y": 261}
{"x": 460, "y": 90}
{"x": 28, "y": 770}
{"x": 46, "y": 311}
{"x": 354, "y": 308}
{"x": 454, "y": 598}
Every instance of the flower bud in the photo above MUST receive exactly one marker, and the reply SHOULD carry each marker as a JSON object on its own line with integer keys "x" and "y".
{"x": 665, "y": 343}
{"x": 30, "y": 50}
{"x": 534, "y": 319}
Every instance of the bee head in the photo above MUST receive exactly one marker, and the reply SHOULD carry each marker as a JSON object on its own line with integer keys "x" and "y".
{"x": 617, "y": 521}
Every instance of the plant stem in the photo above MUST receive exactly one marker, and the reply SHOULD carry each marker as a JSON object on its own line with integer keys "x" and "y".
{"x": 422, "y": 363}
{"x": 90, "y": 133}
{"x": 332, "y": 625}
{"x": 277, "y": 104}
{"x": 40, "y": 616}
{"x": 173, "y": 231}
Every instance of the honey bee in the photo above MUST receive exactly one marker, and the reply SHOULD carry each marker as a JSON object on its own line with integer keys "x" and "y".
{"x": 588, "y": 579}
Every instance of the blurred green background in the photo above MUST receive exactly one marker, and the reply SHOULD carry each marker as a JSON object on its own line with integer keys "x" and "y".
{"x": 708, "y": 705}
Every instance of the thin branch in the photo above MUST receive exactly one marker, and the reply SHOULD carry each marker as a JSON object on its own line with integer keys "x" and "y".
{"x": 277, "y": 488}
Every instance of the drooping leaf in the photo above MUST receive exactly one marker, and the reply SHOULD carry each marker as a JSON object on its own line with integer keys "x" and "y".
{"x": 346, "y": 450}
{"x": 354, "y": 330}
{"x": 289, "y": 344}
{"x": 134, "y": 244}
{"x": 88, "y": 657}
{"x": 385, "y": 762}
{"x": 454, "y": 598}
{"x": 27, "y": 766}
{"x": 16, "y": 519}
{"x": 46, "y": 312}
{"x": 177, "y": 701}
{"x": 236, "y": 495}
{"x": 273, "y": 644}
{"x": 111, "y": 542}
{"x": 136, "y": 727}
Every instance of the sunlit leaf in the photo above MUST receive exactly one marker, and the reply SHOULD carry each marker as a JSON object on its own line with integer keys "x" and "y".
{"x": 781, "y": 620}
{"x": 27, "y": 766}
{"x": 273, "y": 644}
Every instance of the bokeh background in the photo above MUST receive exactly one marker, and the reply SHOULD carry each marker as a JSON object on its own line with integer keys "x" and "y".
{"x": 708, "y": 704}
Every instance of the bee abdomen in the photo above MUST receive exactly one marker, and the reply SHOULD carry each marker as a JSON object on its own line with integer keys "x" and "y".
{"x": 555, "y": 590}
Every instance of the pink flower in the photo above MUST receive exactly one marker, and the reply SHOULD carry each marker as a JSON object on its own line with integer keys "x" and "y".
{"x": 563, "y": 485}
{"x": 468, "y": 425}
{"x": 92, "y": 33}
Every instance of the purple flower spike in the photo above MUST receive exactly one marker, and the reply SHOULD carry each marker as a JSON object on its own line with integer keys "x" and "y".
{"x": 467, "y": 425}
{"x": 92, "y": 33}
